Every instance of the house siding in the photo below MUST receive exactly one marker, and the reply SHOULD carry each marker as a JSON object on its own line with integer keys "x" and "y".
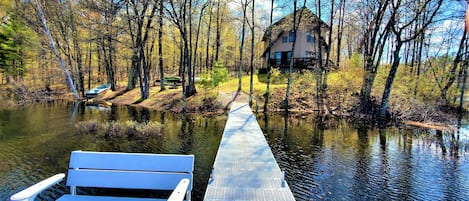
{"x": 302, "y": 46}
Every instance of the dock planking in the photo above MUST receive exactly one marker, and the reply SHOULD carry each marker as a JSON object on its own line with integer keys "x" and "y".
{"x": 245, "y": 168}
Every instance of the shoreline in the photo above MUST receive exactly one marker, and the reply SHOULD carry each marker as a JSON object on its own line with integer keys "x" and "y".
{"x": 209, "y": 104}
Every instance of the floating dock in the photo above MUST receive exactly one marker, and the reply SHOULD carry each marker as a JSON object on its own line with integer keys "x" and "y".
{"x": 245, "y": 168}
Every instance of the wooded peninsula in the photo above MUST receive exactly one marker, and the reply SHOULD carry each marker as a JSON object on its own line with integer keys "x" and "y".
{"x": 379, "y": 60}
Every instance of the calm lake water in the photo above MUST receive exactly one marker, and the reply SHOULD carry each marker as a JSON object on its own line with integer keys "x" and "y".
{"x": 343, "y": 162}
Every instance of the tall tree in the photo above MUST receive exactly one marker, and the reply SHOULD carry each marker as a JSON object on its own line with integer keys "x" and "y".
{"x": 218, "y": 32}
{"x": 195, "y": 53}
{"x": 77, "y": 49}
{"x": 251, "y": 65}
{"x": 402, "y": 17}
{"x": 209, "y": 26}
{"x": 458, "y": 59}
{"x": 178, "y": 12}
{"x": 54, "y": 49}
{"x": 241, "y": 47}
{"x": 143, "y": 13}
{"x": 160, "y": 43}
{"x": 340, "y": 29}
{"x": 375, "y": 34}
{"x": 296, "y": 24}
{"x": 269, "y": 46}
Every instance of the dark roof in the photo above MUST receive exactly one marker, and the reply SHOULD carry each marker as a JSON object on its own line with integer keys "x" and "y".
{"x": 308, "y": 21}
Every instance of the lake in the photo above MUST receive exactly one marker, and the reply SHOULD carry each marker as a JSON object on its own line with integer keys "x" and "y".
{"x": 337, "y": 161}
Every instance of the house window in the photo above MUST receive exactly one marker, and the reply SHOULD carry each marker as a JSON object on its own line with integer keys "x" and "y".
{"x": 309, "y": 38}
{"x": 291, "y": 37}
{"x": 289, "y": 55}
{"x": 308, "y": 54}
{"x": 278, "y": 57}
{"x": 284, "y": 39}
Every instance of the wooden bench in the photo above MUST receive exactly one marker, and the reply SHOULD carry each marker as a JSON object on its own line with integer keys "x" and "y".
{"x": 121, "y": 171}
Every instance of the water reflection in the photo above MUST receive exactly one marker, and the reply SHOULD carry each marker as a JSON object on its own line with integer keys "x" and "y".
{"x": 342, "y": 161}
{"x": 36, "y": 141}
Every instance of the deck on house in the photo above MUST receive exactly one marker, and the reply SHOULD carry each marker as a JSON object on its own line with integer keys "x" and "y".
{"x": 245, "y": 168}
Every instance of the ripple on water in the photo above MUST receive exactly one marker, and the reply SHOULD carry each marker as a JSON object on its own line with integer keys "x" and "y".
{"x": 341, "y": 167}
{"x": 23, "y": 171}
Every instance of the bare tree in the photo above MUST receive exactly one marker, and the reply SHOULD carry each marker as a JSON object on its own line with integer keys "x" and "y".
{"x": 201, "y": 14}
{"x": 403, "y": 15}
{"x": 458, "y": 59}
{"x": 138, "y": 12}
{"x": 209, "y": 26}
{"x": 251, "y": 65}
{"x": 178, "y": 12}
{"x": 52, "y": 44}
{"x": 160, "y": 43}
{"x": 296, "y": 24}
{"x": 375, "y": 34}
{"x": 269, "y": 46}
{"x": 340, "y": 29}
{"x": 241, "y": 47}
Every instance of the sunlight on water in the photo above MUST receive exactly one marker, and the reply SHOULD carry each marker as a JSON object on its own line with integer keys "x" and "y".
{"x": 342, "y": 162}
{"x": 36, "y": 141}
{"x": 346, "y": 162}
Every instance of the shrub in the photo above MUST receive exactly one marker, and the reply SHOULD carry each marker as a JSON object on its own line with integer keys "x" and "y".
{"x": 85, "y": 127}
{"x": 117, "y": 129}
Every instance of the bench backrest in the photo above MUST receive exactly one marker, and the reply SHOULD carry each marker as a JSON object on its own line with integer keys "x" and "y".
{"x": 128, "y": 170}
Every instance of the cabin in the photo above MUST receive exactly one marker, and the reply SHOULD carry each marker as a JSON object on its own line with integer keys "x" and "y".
{"x": 278, "y": 52}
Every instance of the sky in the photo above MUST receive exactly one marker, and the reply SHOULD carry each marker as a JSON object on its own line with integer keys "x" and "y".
{"x": 439, "y": 32}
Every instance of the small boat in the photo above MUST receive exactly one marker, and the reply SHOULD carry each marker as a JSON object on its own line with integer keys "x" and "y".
{"x": 173, "y": 80}
{"x": 97, "y": 90}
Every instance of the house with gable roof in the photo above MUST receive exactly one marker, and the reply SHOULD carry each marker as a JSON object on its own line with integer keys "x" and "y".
{"x": 278, "y": 52}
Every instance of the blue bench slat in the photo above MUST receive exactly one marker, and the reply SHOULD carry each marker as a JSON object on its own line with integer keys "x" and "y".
{"x": 126, "y": 179}
{"x": 103, "y": 198}
{"x": 132, "y": 161}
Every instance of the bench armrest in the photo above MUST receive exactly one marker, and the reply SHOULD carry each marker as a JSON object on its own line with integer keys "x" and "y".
{"x": 30, "y": 193}
{"x": 180, "y": 191}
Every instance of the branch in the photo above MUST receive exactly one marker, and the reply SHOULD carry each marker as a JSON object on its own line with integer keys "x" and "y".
{"x": 51, "y": 41}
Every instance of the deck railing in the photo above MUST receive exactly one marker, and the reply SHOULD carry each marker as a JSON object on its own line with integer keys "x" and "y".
{"x": 297, "y": 62}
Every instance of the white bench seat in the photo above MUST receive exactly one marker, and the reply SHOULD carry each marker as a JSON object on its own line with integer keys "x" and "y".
{"x": 104, "y": 198}
{"x": 169, "y": 172}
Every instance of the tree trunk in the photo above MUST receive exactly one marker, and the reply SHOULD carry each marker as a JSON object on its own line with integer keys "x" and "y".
{"x": 251, "y": 66}
{"x": 463, "y": 87}
{"x": 419, "y": 64}
{"x": 218, "y": 34}
{"x": 89, "y": 65}
{"x": 290, "y": 69}
{"x": 340, "y": 29}
{"x": 240, "y": 69}
{"x": 52, "y": 44}
{"x": 374, "y": 41}
{"x": 389, "y": 81}
{"x": 78, "y": 54}
{"x": 452, "y": 72}
{"x": 160, "y": 45}
{"x": 197, "y": 39}
{"x": 269, "y": 41}
{"x": 207, "y": 60}
{"x": 191, "y": 86}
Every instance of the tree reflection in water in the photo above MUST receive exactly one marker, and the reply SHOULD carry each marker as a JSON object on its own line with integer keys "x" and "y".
{"x": 337, "y": 160}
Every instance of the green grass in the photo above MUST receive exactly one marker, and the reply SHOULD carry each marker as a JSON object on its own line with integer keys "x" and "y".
{"x": 259, "y": 85}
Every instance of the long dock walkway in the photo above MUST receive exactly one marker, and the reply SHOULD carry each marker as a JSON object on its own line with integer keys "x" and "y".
{"x": 245, "y": 168}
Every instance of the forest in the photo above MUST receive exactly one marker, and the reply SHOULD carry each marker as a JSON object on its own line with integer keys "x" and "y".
{"x": 385, "y": 59}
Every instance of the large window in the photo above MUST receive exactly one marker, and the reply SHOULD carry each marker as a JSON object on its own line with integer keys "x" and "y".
{"x": 289, "y": 55}
{"x": 291, "y": 37}
{"x": 278, "y": 57}
{"x": 284, "y": 39}
{"x": 309, "y": 38}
